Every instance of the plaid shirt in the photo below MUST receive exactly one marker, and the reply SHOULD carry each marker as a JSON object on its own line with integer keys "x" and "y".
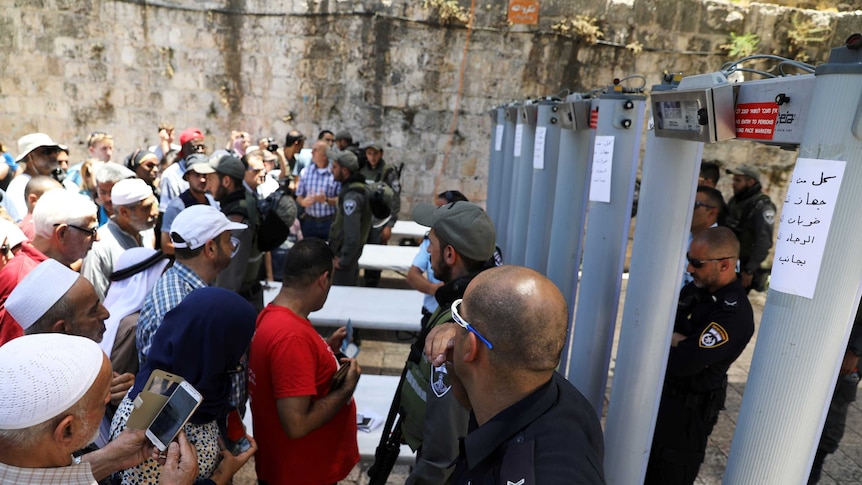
{"x": 172, "y": 287}
{"x": 68, "y": 475}
{"x": 313, "y": 181}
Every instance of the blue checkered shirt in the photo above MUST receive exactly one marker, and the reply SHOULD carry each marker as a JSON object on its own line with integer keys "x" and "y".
{"x": 177, "y": 282}
{"x": 313, "y": 181}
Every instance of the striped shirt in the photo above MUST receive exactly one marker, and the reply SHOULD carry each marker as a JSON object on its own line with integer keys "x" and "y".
{"x": 313, "y": 181}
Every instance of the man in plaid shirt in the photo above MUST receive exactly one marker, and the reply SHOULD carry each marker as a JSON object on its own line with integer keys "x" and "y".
{"x": 318, "y": 194}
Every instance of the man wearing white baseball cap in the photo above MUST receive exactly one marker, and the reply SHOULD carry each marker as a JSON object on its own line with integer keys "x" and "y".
{"x": 131, "y": 226}
{"x": 203, "y": 247}
{"x": 39, "y": 154}
{"x": 53, "y": 390}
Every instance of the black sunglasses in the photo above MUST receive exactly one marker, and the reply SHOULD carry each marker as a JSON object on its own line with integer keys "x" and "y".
{"x": 92, "y": 232}
{"x": 698, "y": 263}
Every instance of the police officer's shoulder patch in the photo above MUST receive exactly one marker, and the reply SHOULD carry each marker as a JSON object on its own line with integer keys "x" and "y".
{"x": 769, "y": 216}
{"x": 349, "y": 206}
{"x": 714, "y": 335}
{"x": 440, "y": 380}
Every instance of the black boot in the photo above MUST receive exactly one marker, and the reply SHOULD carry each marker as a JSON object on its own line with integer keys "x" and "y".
{"x": 817, "y": 467}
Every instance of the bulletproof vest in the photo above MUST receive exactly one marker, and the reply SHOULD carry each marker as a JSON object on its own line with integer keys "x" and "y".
{"x": 246, "y": 207}
{"x": 336, "y": 231}
{"x": 739, "y": 219}
{"x": 416, "y": 388}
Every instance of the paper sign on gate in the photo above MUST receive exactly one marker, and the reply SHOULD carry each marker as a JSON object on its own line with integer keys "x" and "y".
{"x": 804, "y": 225}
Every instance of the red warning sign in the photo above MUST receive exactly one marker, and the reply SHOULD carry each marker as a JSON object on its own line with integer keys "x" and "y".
{"x": 594, "y": 118}
{"x": 756, "y": 121}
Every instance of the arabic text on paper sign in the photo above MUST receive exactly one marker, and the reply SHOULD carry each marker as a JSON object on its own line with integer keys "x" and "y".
{"x": 804, "y": 225}
{"x": 603, "y": 157}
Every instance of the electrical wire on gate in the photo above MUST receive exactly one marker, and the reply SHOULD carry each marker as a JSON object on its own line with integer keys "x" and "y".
{"x": 454, "y": 126}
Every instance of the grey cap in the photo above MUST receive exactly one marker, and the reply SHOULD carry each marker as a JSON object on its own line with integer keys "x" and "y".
{"x": 199, "y": 163}
{"x": 464, "y": 225}
{"x": 747, "y": 170}
{"x": 343, "y": 135}
{"x": 373, "y": 144}
{"x": 348, "y": 160}
{"x": 228, "y": 165}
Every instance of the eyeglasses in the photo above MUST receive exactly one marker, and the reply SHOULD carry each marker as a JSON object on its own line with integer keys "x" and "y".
{"x": 460, "y": 321}
{"x": 698, "y": 263}
{"x": 235, "y": 243}
{"x": 701, "y": 204}
{"x": 199, "y": 148}
{"x": 92, "y": 232}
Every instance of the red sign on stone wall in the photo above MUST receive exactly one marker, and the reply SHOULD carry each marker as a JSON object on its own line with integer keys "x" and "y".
{"x": 524, "y": 12}
{"x": 756, "y": 121}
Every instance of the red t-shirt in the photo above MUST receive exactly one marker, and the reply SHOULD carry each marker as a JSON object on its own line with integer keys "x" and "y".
{"x": 289, "y": 358}
{"x": 18, "y": 267}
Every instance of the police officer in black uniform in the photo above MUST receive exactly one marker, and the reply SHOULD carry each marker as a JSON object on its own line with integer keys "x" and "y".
{"x": 714, "y": 323}
{"x": 528, "y": 424}
{"x": 751, "y": 215}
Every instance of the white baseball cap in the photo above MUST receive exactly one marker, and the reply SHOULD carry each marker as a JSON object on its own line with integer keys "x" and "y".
{"x": 196, "y": 225}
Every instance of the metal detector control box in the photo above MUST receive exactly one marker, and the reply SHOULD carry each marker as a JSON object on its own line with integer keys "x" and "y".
{"x": 701, "y": 109}
{"x": 773, "y": 111}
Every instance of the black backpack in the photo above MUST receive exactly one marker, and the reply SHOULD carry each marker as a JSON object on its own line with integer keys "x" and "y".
{"x": 277, "y": 212}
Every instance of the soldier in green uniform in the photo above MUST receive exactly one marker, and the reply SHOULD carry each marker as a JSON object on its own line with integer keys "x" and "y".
{"x": 377, "y": 170}
{"x": 349, "y": 230}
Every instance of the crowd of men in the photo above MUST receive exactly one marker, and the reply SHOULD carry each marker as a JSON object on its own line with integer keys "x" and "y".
{"x": 480, "y": 400}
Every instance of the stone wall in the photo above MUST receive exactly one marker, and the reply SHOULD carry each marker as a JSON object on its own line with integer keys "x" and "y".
{"x": 384, "y": 69}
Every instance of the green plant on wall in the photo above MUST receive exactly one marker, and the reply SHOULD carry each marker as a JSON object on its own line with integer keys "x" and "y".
{"x": 579, "y": 27}
{"x": 741, "y": 45}
{"x": 803, "y": 33}
{"x": 448, "y": 11}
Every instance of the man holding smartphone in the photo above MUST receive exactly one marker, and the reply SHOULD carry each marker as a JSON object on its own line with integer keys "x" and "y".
{"x": 52, "y": 396}
{"x": 301, "y": 396}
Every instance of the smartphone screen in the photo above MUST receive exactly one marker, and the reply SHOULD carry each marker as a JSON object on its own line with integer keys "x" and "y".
{"x": 173, "y": 415}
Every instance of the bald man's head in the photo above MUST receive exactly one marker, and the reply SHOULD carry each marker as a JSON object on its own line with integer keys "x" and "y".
{"x": 721, "y": 241}
{"x": 522, "y": 313}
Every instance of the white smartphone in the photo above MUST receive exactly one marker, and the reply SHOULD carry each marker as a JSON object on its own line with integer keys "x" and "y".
{"x": 173, "y": 416}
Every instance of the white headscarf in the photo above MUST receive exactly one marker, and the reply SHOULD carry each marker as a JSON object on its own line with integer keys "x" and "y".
{"x": 127, "y": 296}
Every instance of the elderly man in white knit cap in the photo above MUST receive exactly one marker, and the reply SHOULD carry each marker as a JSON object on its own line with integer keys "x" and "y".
{"x": 55, "y": 299}
{"x": 65, "y": 225}
{"x": 131, "y": 226}
{"x": 53, "y": 390}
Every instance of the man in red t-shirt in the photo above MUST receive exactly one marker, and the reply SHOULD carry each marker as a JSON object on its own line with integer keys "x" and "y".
{"x": 304, "y": 423}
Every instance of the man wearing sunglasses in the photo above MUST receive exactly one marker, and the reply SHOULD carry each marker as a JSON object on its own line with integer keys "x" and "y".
{"x": 714, "y": 323}
{"x": 461, "y": 241}
{"x": 708, "y": 209}
{"x": 528, "y": 424}
{"x": 38, "y": 153}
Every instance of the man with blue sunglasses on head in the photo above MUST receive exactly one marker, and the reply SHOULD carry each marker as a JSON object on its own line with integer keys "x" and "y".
{"x": 461, "y": 243}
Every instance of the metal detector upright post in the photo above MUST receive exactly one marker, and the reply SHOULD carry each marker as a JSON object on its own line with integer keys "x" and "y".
{"x": 801, "y": 340}
{"x": 615, "y": 159}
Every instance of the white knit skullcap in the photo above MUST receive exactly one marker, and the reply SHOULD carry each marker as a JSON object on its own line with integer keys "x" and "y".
{"x": 43, "y": 375}
{"x": 130, "y": 191}
{"x": 39, "y": 291}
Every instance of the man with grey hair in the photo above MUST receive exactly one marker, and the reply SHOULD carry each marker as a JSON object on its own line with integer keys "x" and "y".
{"x": 65, "y": 224}
{"x": 52, "y": 394}
{"x": 131, "y": 226}
{"x": 106, "y": 176}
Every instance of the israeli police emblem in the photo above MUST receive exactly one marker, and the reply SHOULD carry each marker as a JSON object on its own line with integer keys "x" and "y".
{"x": 713, "y": 336}
{"x": 769, "y": 216}
{"x": 440, "y": 381}
{"x": 349, "y": 206}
